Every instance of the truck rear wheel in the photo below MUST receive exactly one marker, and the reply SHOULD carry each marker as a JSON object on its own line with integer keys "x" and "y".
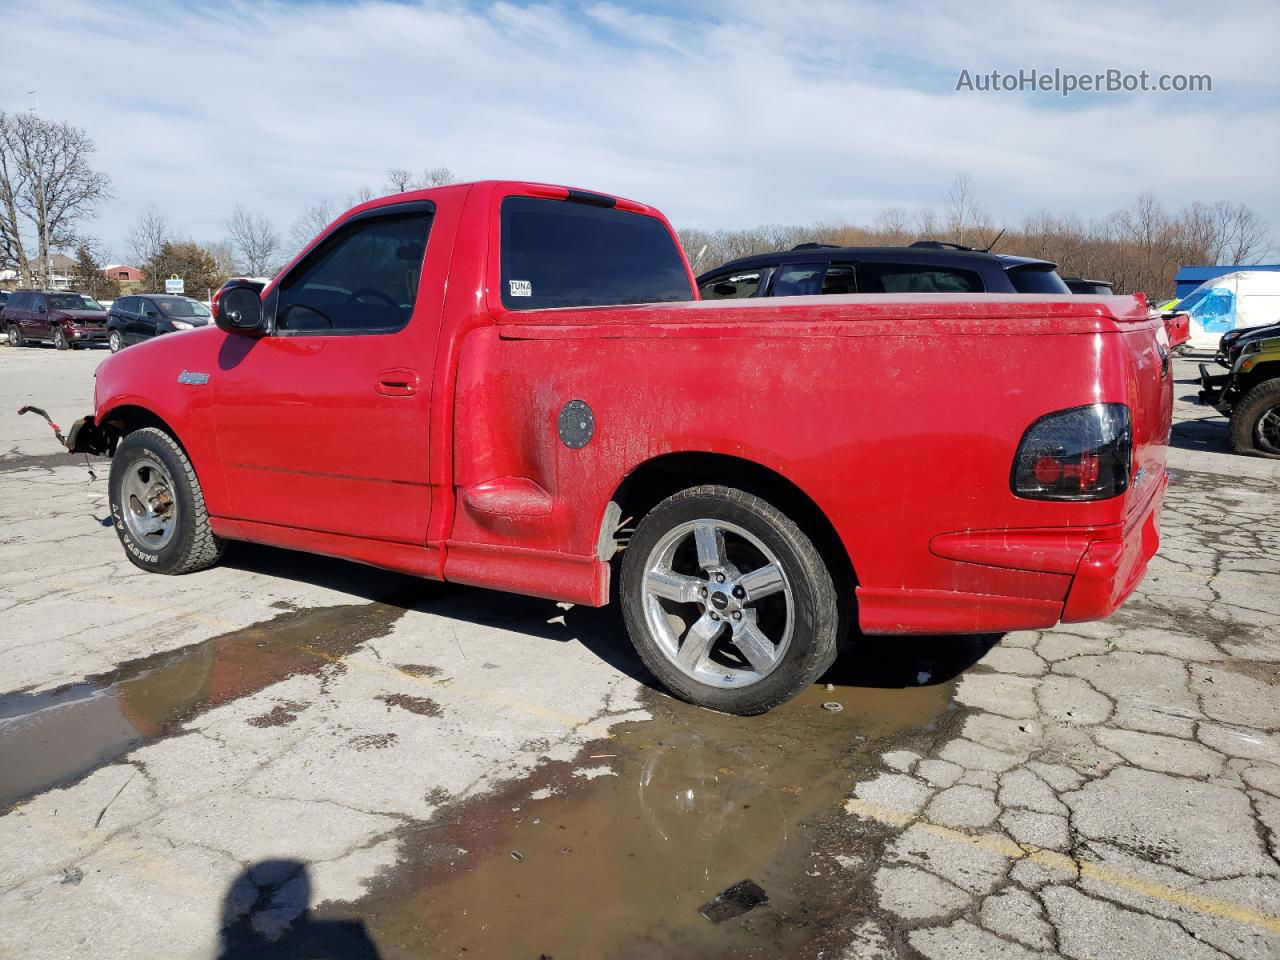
{"x": 158, "y": 507}
{"x": 1255, "y": 421}
{"x": 727, "y": 600}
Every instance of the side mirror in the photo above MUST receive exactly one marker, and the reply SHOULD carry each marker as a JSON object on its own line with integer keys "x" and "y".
{"x": 239, "y": 310}
{"x": 41, "y": 309}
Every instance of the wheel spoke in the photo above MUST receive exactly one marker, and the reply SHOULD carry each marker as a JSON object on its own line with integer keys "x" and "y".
{"x": 697, "y": 642}
{"x": 710, "y": 543}
{"x": 674, "y": 586}
{"x": 761, "y": 583}
{"x": 755, "y": 646}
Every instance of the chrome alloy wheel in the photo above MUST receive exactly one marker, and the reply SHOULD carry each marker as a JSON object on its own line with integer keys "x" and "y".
{"x": 718, "y": 603}
{"x": 148, "y": 504}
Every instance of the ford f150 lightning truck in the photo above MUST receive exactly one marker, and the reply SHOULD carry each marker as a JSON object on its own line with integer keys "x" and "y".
{"x": 514, "y": 385}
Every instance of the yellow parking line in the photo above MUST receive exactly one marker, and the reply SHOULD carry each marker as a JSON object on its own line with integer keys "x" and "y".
{"x": 1062, "y": 863}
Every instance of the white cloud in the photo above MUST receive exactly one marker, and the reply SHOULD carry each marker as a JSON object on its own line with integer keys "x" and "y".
{"x": 746, "y": 113}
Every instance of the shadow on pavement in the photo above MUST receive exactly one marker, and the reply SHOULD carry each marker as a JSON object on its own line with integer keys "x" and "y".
{"x": 1209, "y": 434}
{"x": 266, "y": 915}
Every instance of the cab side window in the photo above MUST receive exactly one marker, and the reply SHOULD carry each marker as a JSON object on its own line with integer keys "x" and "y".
{"x": 361, "y": 279}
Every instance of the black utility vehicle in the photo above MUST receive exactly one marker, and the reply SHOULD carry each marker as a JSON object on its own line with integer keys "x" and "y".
{"x": 927, "y": 266}
{"x": 1095, "y": 288}
{"x": 137, "y": 318}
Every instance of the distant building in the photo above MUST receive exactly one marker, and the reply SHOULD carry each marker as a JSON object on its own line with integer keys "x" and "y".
{"x": 130, "y": 279}
{"x": 1189, "y": 278}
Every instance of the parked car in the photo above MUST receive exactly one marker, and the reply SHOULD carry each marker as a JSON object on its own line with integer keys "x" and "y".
{"x": 4, "y": 298}
{"x": 67, "y": 320}
{"x": 1249, "y": 395}
{"x": 924, "y": 267}
{"x": 513, "y": 385}
{"x": 1232, "y": 301}
{"x": 1233, "y": 342}
{"x": 1095, "y": 288}
{"x": 134, "y": 319}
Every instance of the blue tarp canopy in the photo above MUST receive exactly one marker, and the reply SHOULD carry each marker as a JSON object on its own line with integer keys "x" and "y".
{"x": 1189, "y": 278}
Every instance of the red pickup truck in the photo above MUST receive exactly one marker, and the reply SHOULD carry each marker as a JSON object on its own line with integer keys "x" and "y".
{"x": 514, "y": 385}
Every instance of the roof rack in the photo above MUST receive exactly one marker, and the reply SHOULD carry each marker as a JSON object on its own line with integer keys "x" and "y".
{"x": 942, "y": 245}
{"x": 816, "y": 246}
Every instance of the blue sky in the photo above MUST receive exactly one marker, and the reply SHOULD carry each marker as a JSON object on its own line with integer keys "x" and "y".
{"x": 735, "y": 115}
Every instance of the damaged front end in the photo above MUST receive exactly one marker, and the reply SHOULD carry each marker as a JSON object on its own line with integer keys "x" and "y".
{"x": 85, "y": 435}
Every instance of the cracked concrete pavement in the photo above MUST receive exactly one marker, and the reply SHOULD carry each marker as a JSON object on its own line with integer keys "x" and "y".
{"x": 288, "y": 750}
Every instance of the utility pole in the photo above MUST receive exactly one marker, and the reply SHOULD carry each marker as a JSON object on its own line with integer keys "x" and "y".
{"x": 44, "y": 218}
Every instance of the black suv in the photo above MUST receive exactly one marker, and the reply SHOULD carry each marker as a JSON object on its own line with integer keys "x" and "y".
{"x": 137, "y": 318}
{"x": 927, "y": 266}
{"x": 67, "y": 320}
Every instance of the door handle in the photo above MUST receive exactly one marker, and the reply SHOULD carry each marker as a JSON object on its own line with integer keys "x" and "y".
{"x": 400, "y": 382}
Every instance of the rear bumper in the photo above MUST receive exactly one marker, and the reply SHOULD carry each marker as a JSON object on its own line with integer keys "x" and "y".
{"x": 1111, "y": 570}
{"x": 1098, "y": 568}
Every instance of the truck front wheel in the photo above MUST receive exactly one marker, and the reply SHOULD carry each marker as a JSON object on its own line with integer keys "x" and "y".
{"x": 157, "y": 505}
{"x": 727, "y": 600}
{"x": 1255, "y": 421}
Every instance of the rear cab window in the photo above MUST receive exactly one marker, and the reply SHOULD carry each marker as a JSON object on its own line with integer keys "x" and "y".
{"x": 561, "y": 253}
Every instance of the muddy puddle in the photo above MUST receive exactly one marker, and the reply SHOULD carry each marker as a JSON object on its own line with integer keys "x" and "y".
{"x": 613, "y": 855}
{"x": 57, "y": 736}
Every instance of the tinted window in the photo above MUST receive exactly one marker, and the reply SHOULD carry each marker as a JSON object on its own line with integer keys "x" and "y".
{"x": 839, "y": 279}
{"x": 181, "y": 307}
{"x": 1036, "y": 280}
{"x": 916, "y": 278}
{"x": 19, "y": 301}
{"x": 558, "y": 253}
{"x": 731, "y": 286}
{"x": 72, "y": 301}
{"x": 363, "y": 278}
{"x": 798, "y": 280}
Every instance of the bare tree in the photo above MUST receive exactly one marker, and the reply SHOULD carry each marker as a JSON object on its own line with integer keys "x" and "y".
{"x": 310, "y": 222}
{"x": 399, "y": 180}
{"x": 223, "y": 255}
{"x": 255, "y": 240}
{"x": 47, "y": 187}
{"x": 150, "y": 232}
{"x": 966, "y": 221}
{"x": 437, "y": 177}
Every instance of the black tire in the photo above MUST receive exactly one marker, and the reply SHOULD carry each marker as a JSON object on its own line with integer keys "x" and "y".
{"x": 115, "y": 340}
{"x": 60, "y": 338}
{"x": 16, "y": 339}
{"x": 1248, "y": 434}
{"x": 193, "y": 545}
{"x": 815, "y": 609}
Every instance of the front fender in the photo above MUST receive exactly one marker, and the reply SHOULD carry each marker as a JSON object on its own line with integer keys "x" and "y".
{"x": 166, "y": 383}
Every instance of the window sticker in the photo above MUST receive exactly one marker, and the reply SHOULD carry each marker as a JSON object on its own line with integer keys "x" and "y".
{"x": 521, "y": 288}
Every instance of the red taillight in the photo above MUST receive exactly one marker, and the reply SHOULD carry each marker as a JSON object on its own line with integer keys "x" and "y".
{"x": 1077, "y": 454}
{"x": 1048, "y": 471}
